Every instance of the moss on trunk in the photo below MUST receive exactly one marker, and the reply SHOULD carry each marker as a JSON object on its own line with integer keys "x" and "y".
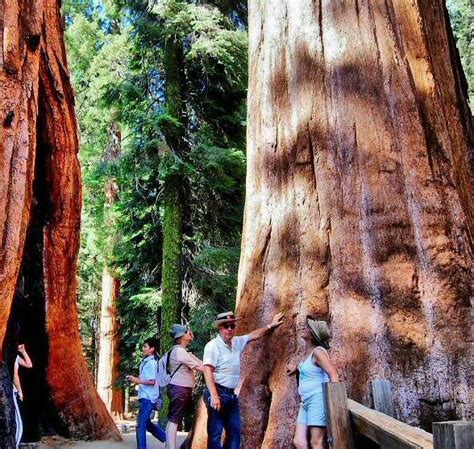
{"x": 172, "y": 254}
{"x": 173, "y": 197}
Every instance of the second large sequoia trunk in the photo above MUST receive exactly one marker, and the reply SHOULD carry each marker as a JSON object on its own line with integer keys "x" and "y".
{"x": 40, "y": 207}
{"x": 359, "y": 179}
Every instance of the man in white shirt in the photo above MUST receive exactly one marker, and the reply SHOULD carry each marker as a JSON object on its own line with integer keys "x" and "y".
{"x": 147, "y": 395}
{"x": 222, "y": 373}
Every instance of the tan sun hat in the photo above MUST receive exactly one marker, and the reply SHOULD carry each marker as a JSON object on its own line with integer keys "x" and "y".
{"x": 226, "y": 317}
{"x": 320, "y": 331}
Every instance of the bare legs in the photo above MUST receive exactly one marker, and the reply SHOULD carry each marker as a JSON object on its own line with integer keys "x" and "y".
{"x": 317, "y": 437}
{"x": 300, "y": 439}
{"x": 171, "y": 431}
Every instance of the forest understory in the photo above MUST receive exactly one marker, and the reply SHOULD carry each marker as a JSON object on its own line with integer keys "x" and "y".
{"x": 164, "y": 161}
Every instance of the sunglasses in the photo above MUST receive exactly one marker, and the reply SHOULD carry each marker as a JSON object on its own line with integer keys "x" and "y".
{"x": 229, "y": 326}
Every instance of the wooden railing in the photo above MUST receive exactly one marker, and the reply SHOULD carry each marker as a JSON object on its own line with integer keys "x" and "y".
{"x": 387, "y": 431}
{"x": 347, "y": 418}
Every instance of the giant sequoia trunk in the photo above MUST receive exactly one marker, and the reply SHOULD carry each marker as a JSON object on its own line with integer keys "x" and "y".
{"x": 359, "y": 205}
{"x": 40, "y": 205}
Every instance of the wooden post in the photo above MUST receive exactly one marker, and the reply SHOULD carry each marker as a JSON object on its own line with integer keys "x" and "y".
{"x": 453, "y": 435}
{"x": 339, "y": 427}
{"x": 383, "y": 397}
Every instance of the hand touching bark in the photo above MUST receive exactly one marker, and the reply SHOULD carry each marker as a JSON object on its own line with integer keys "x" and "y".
{"x": 277, "y": 321}
{"x": 258, "y": 333}
{"x": 292, "y": 368}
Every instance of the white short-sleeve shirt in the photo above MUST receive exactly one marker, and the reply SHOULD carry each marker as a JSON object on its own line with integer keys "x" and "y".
{"x": 225, "y": 359}
{"x": 148, "y": 368}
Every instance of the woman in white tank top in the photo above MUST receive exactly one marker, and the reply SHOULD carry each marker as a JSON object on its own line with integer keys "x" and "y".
{"x": 315, "y": 369}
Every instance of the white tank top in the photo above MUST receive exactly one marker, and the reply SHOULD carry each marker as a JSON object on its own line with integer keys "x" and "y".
{"x": 312, "y": 377}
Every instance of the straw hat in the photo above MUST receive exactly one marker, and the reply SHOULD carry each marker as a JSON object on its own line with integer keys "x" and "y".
{"x": 226, "y": 317}
{"x": 320, "y": 331}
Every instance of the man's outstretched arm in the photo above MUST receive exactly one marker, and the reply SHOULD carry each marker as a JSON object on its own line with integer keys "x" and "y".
{"x": 258, "y": 333}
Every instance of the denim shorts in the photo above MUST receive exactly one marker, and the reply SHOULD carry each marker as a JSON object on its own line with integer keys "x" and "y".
{"x": 312, "y": 411}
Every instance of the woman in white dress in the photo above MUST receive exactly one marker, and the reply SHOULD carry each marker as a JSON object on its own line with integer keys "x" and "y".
{"x": 22, "y": 359}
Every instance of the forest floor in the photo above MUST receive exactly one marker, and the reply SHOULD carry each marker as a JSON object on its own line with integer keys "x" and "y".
{"x": 127, "y": 443}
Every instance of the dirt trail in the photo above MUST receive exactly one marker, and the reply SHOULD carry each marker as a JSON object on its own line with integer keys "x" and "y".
{"x": 127, "y": 443}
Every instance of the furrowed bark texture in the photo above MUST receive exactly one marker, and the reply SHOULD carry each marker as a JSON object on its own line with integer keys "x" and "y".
{"x": 40, "y": 197}
{"x": 359, "y": 205}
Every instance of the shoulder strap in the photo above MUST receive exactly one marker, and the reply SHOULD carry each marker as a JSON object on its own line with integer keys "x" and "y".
{"x": 174, "y": 372}
{"x": 314, "y": 350}
{"x": 310, "y": 356}
{"x": 168, "y": 361}
{"x": 321, "y": 347}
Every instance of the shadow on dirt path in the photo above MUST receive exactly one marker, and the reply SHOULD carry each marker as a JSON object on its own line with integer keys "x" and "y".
{"x": 127, "y": 443}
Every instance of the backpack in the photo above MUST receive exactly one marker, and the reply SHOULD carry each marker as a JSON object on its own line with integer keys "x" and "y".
{"x": 163, "y": 377}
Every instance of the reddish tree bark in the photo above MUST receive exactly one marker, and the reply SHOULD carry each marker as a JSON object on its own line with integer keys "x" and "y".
{"x": 40, "y": 196}
{"x": 109, "y": 355}
{"x": 359, "y": 206}
{"x": 108, "y": 370}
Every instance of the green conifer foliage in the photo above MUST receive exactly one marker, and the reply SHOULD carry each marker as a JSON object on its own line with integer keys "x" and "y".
{"x": 462, "y": 21}
{"x": 172, "y": 75}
